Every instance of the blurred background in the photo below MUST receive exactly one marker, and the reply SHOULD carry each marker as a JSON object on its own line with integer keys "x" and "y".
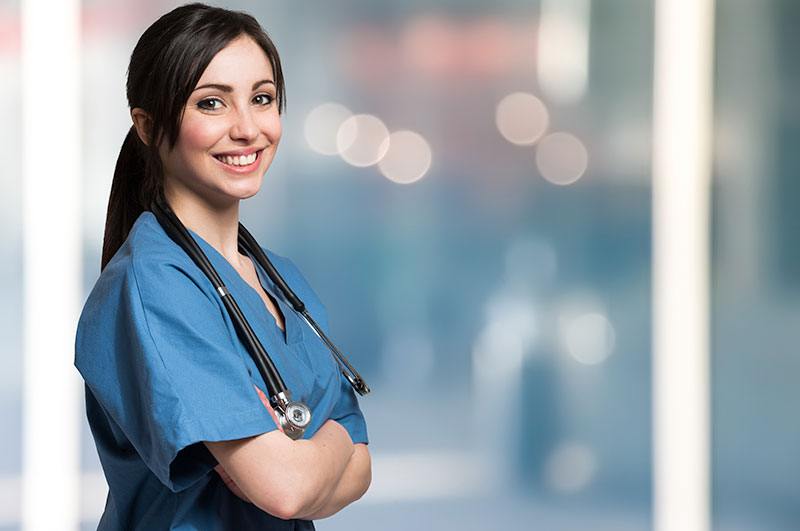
{"x": 490, "y": 273}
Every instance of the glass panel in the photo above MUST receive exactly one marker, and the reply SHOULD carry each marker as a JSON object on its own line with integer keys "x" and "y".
{"x": 756, "y": 295}
{"x": 499, "y": 305}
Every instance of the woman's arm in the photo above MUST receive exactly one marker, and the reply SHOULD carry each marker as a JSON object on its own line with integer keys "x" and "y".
{"x": 354, "y": 483}
{"x": 283, "y": 477}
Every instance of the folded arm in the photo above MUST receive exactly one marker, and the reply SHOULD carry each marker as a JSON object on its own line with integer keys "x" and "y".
{"x": 354, "y": 483}
{"x": 286, "y": 478}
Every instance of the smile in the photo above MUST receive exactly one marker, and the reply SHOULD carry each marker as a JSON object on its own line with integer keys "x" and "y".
{"x": 240, "y": 160}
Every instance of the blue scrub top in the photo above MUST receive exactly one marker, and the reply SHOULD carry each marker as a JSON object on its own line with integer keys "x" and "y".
{"x": 165, "y": 370}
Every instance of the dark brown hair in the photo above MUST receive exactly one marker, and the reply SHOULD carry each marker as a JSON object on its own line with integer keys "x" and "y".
{"x": 164, "y": 69}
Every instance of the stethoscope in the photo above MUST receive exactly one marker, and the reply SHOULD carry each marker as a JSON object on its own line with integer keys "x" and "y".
{"x": 294, "y": 417}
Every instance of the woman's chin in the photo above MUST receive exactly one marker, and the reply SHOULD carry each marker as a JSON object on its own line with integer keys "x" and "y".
{"x": 244, "y": 189}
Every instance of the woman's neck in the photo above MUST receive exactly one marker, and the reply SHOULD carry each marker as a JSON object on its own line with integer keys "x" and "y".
{"x": 217, "y": 225}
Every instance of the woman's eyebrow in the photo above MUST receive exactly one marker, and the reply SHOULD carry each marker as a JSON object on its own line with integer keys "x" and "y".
{"x": 262, "y": 82}
{"x": 217, "y": 86}
{"x": 228, "y": 88}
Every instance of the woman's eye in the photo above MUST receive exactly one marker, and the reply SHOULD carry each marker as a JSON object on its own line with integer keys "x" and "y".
{"x": 209, "y": 104}
{"x": 263, "y": 99}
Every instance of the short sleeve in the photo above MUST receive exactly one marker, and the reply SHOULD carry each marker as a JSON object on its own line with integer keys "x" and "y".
{"x": 158, "y": 353}
{"x": 348, "y": 413}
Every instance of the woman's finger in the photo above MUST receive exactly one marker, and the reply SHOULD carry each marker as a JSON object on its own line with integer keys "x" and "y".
{"x": 265, "y": 401}
{"x": 232, "y": 486}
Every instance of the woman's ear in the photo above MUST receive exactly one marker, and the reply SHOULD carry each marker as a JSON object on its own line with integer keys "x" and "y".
{"x": 143, "y": 124}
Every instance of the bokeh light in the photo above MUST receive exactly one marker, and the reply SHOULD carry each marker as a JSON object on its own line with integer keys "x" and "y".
{"x": 589, "y": 338}
{"x": 321, "y": 126}
{"x": 570, "y": 468}
{"x": 561, "y": 158}
{"x": 509, "y": 335}
{"x": 362, "y": 140}
{"x": 407, "y": 158}
{"x": 563, "y": 49}
{"x": 522, "y": 118}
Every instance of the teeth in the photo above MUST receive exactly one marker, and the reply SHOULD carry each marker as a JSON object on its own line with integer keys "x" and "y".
{"x": 242, "y": 160}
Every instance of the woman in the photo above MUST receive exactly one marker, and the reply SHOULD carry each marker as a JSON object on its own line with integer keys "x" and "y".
{"x": 171, "y": 392}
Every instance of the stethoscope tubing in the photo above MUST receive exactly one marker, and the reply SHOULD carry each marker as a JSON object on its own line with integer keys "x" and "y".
{"x": 249, "y": 243}
{"x": 275, "y": 385}
{"x": 176, "y": 230}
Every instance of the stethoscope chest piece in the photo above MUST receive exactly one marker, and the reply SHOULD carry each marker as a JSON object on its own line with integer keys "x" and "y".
{"x": 296, "y": 420}
{"x": 294, "y": 417}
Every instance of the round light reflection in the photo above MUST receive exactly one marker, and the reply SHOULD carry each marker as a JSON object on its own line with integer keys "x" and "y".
{"x": 561, "y": 158}
{"x": 589, "y": 337}
{"x": 322, "y": 125}
{"x": 407, "y": 159}
{"x": 361, "y": 140}
{"x": 521, "y": 118}
{"x": 570, "y": 467}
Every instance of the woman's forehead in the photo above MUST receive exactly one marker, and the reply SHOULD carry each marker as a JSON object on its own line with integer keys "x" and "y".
{"x": 241, "y": 62}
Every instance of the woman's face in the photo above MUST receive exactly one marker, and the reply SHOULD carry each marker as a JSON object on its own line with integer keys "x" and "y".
{"x": 230, "y": 129}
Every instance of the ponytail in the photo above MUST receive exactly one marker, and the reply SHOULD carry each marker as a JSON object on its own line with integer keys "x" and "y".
{"x": 136, "y": 183}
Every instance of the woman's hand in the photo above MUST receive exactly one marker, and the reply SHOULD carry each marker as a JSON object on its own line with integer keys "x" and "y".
{"x": 230, "y": 483}
{"x": 270, "y": 409}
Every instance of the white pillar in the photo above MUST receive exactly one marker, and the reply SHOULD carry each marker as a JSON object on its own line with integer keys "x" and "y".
{"x": 682, "y": 149}
{"x": 51, "y": 132}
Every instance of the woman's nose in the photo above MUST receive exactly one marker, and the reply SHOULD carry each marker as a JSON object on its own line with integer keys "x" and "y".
{"x": 244, "y": 127}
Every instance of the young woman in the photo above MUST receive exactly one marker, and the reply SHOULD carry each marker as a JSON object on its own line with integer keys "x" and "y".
{"x": 177, "y": 407}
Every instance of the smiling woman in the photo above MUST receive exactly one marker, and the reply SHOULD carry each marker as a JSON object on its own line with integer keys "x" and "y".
{"x": 229, "y": 132}
{"x": 185, "y": 432}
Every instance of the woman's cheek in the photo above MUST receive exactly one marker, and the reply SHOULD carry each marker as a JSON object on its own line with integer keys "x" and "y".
{"x": 200, "y": 133}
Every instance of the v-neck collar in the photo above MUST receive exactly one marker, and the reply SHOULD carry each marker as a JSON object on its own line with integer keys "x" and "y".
{"x": 250, "y": 296}
{"x": 291, "y": 322}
